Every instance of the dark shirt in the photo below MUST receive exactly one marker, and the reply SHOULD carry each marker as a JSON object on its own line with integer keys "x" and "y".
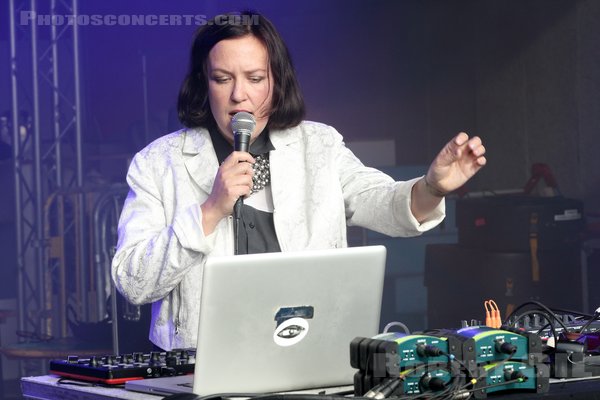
{"x": 256, "y": 231}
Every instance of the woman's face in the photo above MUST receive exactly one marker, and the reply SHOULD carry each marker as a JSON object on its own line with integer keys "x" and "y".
{"x": 239, "y": 79}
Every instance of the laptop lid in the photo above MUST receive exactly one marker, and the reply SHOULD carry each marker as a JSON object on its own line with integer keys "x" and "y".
{"x": 284, "y": 321}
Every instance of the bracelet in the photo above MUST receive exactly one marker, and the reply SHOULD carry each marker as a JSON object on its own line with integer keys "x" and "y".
{"x": 432, "y": 189}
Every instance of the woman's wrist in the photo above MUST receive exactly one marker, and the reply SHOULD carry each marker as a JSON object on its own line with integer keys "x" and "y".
{"x": 432, "y": 190}
{"x": 210, "y": 217}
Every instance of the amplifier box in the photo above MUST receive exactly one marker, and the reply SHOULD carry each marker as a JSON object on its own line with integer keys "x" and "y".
{"x": 506, "y": 223}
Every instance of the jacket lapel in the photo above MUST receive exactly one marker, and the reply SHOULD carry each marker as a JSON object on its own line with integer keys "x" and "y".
{"x": 286, "y": 160}
{"x": 287, "y": 187}
{"x": 200, "y": 158}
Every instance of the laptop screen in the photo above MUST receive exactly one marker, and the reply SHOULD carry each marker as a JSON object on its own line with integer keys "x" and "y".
{"x": 284, "y": 321}
{"x": 281, "y": 321}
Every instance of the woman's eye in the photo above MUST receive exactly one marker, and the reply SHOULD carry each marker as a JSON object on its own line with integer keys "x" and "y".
{"x": 220, "y": 79}
{"x": 256, "y": 79}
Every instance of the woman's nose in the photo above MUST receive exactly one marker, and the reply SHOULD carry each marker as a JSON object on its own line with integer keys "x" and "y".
{"x": 238, "y": 92}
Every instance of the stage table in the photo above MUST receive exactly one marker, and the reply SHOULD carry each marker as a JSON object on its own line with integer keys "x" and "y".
{"x": 47, "y": 387}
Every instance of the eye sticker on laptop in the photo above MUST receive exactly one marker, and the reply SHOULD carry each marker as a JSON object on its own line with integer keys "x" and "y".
{"x": 290, "y": 332}
{"x": 292, "y": 324}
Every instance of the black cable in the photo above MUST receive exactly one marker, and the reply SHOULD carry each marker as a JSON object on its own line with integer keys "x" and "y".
{"x": 549, "y": 316}
{"x": 301, "y": 396}
{"x": 237, "y": 211}
{"x": 542, "y": 306}
{"x": 589, "y": 322}
{"x": 589, "y": 317}
{"x": 451, "y": 358}
{"x": 278, "y": 396}
{"x": 386, "y": 390}
{"x": 377, "y": 388}
{"x": 343, "y": 393}
{"x": 493, "y": 385}
{"x": 469, "y": 380}
{"x": 441, "y": 394}
{"x": 454, "y": 385}
{"x": 218, "y": 396}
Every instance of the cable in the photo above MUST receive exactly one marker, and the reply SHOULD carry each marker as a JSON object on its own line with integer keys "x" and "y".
{"x": 218, "y": 396}
{"x": 493, "y": 385}
{"x": 396, "y": 323}
{"x": 461, "y": 392}
{"x": 429, "y": 350}
{"x": 547, "y": 312}
{"x": 553, "y": 319}
{"x": 592, "y": 319}
{"x": 492, "y": 314}
{"x": 542, "y": 306}
{"x": 237, "y": 211}
{"x": 343, "y": 393}
{"x": 386, "y": 389}
{"x": 375, "y": 390}
{"x": 552, "y": 327}
{"x": 277, "y": 396}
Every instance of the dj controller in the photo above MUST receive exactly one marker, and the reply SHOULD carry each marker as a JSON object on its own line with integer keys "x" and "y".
{"x": 118, "y": 369}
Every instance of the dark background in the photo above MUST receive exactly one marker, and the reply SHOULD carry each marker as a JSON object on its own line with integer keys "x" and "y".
{"x": 522, "y": 74}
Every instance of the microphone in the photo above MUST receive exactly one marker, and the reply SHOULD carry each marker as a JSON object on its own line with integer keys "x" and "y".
{"x": 242, "y": 125}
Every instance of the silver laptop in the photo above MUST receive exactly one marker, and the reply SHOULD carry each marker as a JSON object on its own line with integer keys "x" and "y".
{"x": 281, "y": 321}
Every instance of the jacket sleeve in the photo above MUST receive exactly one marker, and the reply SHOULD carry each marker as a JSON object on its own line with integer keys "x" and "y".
{"x": 375, "y": 201}
{"x": 157, "y": 243}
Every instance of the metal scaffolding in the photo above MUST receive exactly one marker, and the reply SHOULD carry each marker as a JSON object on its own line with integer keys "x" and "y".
{"x": 46, "y": 125}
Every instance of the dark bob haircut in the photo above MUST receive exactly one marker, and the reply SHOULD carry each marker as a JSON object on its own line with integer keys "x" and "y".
{"x": 287, "y": 107}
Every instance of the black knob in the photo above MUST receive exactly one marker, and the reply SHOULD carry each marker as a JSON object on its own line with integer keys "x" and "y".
{"x": 154, "y": 357}
{"x": 138, "y": 357}
{"x": 171, "y": 361}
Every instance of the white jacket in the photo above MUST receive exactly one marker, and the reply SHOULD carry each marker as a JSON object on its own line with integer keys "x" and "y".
{"x": 318, "y": 187}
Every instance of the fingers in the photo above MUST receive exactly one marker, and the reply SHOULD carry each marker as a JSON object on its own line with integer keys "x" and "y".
{"x": 233, "y": 180}
{"x": 242, "y": 168}
{"x": 474, "y": 145}
{"x": 237, "y": 169}
{"x": 238, "y": 157}
{"x": 459, "y": 160}
{"x": 477, "y": 150}
{"x": 461, "y": 138}
{"x": 237, "y": 179}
